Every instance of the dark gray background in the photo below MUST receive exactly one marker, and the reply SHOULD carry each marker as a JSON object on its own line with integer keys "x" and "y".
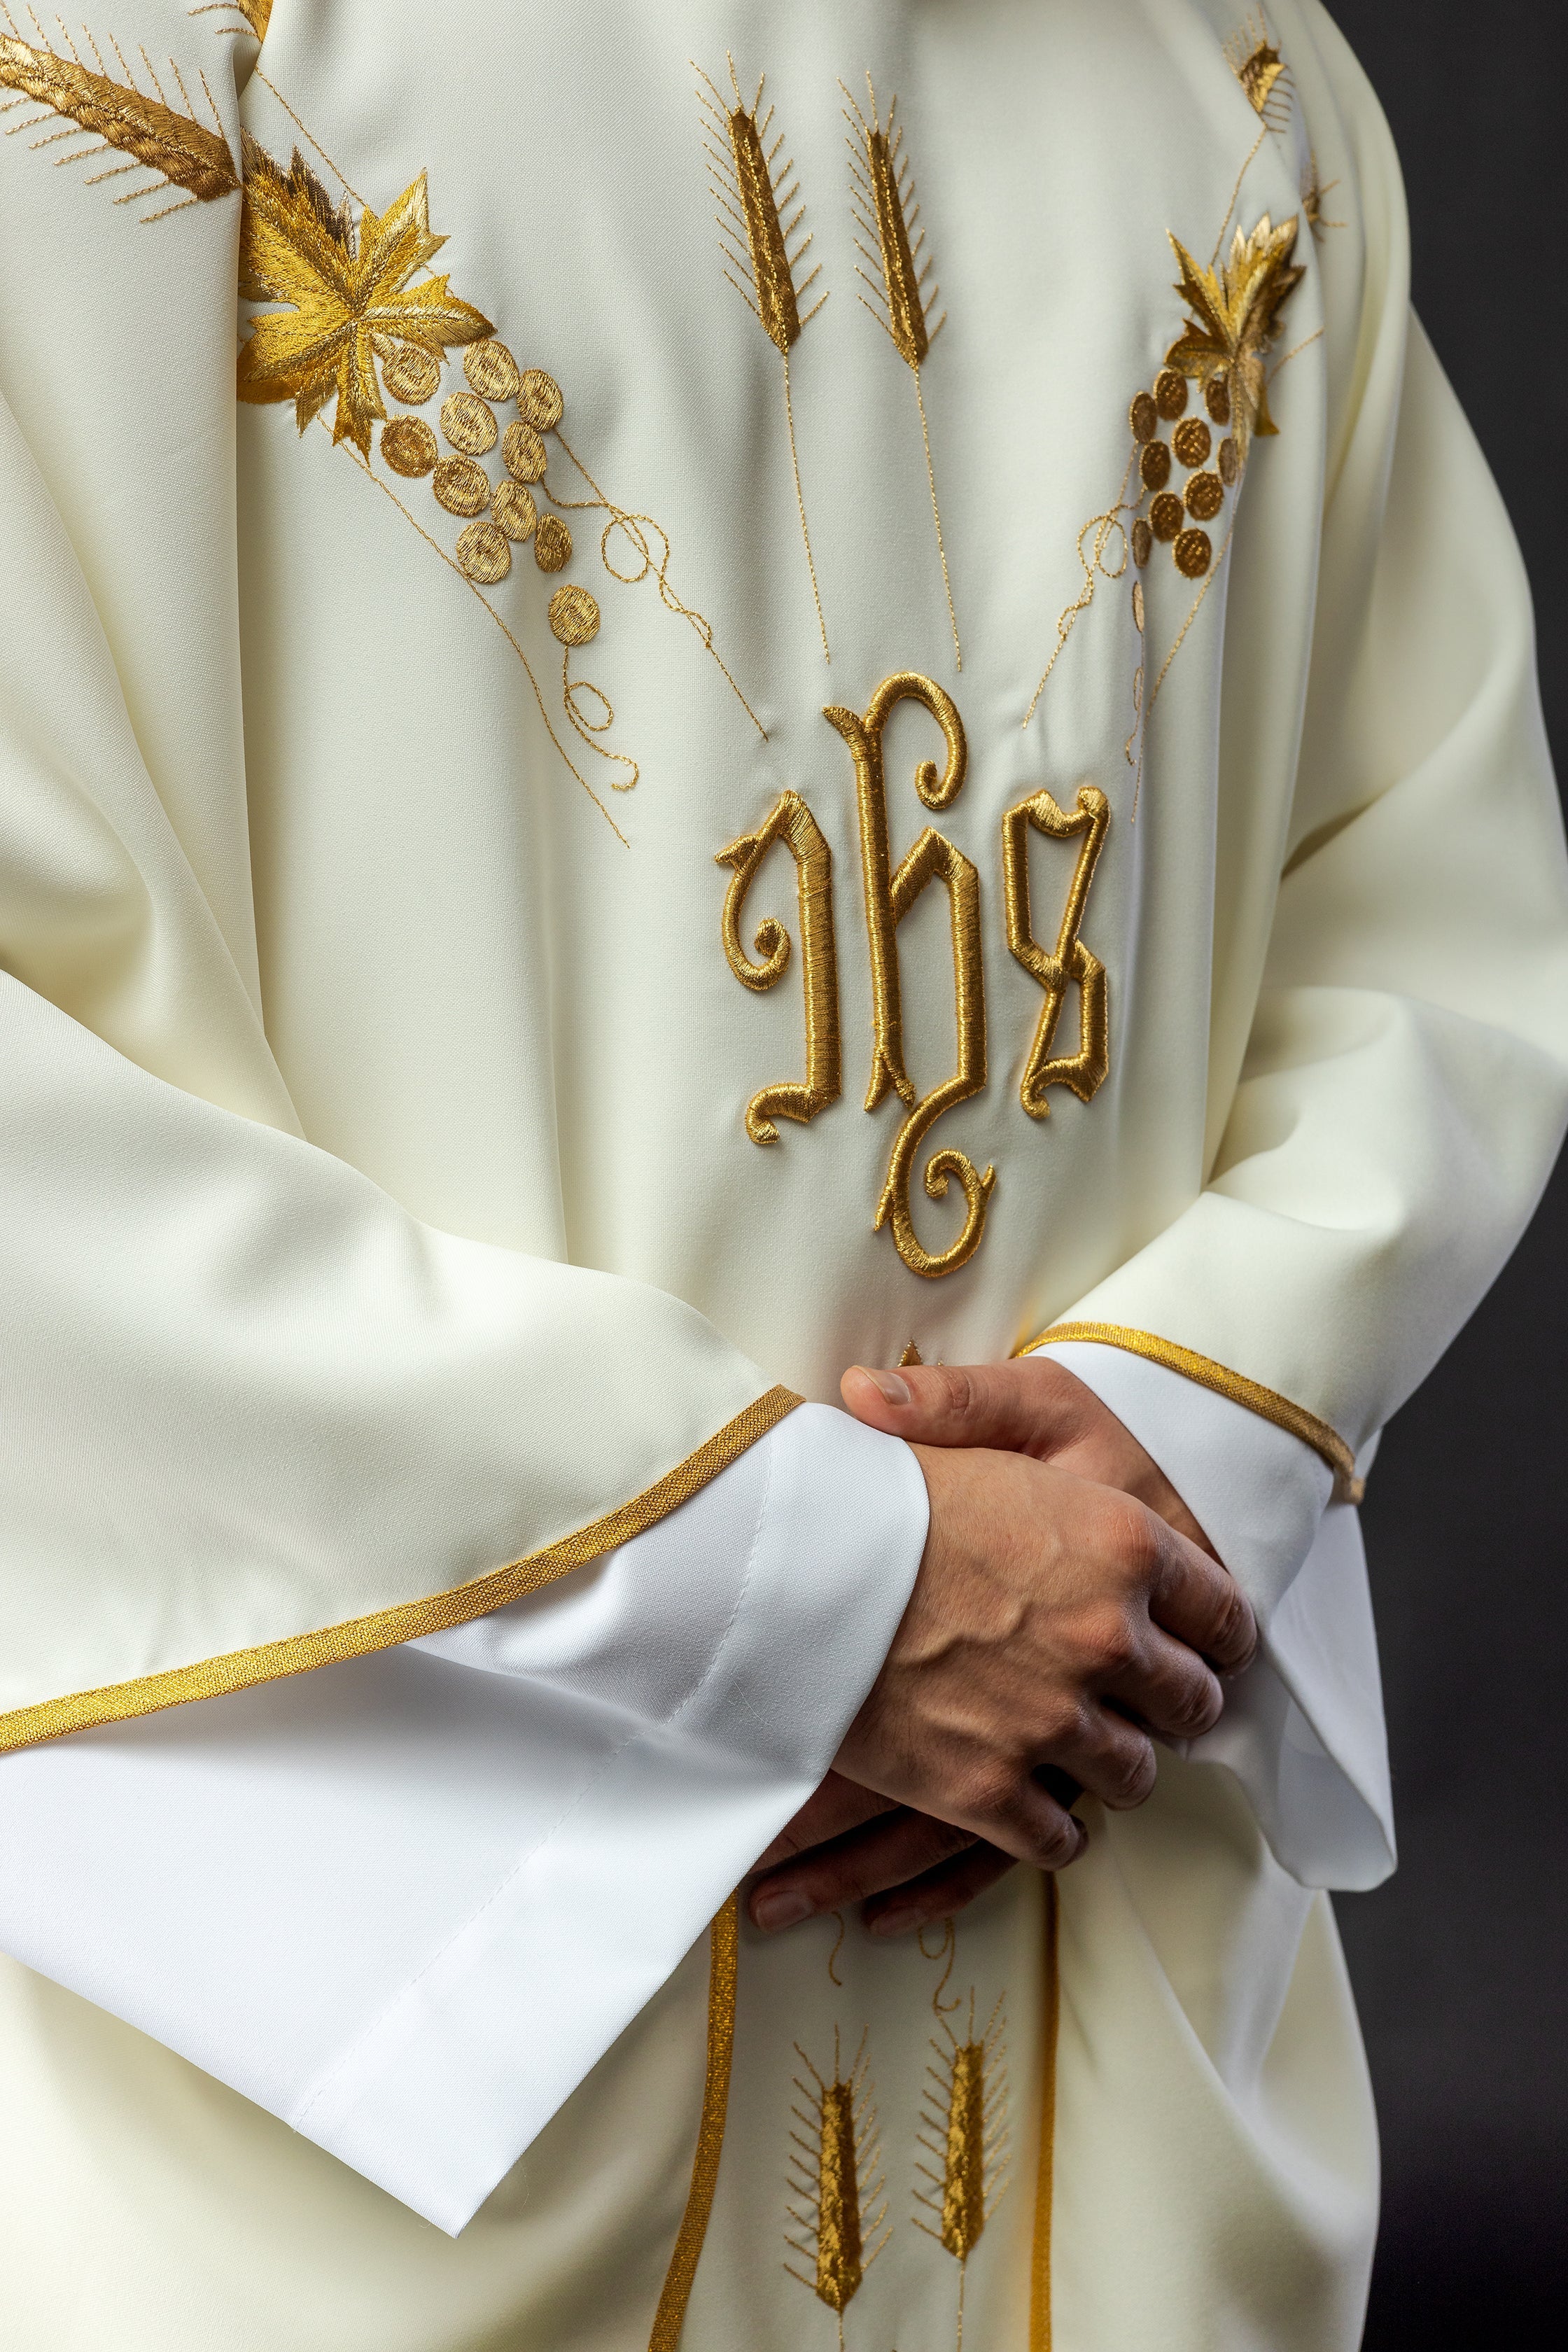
{"x": 1460, "y": 1962}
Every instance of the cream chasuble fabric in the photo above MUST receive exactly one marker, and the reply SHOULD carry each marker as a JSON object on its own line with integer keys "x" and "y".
{"x": 425, "y": 1165}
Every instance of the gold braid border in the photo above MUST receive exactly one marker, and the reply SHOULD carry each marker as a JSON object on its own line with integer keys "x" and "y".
{"x": 384, "y": 1628}
{"x": 1044, "y": 2178}
{"x": 1266, "y": 1402}
{"x": 670, "y": 2316}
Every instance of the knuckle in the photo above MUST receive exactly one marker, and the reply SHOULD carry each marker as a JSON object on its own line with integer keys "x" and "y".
{"x": 1197, "y": 1709}
{"x": 954, "y": 1390}
{"x": 1131, "y": 1776}
{"x": 1109, "y": 1639}
{"x": 1055, "y": 1844}
{"x": 990, "y": 1791}
{"x": 1237, "y": 1636}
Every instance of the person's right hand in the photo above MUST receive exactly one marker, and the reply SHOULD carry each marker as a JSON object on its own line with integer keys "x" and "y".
{"x": 1053, "y": 1623}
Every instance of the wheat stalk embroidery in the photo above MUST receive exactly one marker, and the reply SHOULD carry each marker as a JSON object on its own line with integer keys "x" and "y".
{"x": 886, "y": 217}
{"x": 116, "y": 116}
{"x": 839, "y": 2211}
{"x": 763, "y": 251}
{"x": 965, "y": 2132}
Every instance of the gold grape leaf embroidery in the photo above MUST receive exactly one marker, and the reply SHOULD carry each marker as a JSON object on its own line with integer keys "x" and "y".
{"x": 348, "y": 291}
{"x": 180, "y": 151}
{"x": 1236, "y": 317}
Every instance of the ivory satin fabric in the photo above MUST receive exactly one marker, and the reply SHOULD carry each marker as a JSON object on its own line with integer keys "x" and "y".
{"x": 375, "y": 1201}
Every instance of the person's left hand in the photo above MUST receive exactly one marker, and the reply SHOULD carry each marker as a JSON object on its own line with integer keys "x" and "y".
{"x": 847, "y": 1844}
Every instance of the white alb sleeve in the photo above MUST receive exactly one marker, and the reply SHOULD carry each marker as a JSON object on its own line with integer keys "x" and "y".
{"x": 352, "y": 1895}
{"x": 1303, "y": 1728}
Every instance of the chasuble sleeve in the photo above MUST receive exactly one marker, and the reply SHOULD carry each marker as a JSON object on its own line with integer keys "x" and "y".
{"x": 258, "y": 1416}
{"x": 1388, "y": 1076}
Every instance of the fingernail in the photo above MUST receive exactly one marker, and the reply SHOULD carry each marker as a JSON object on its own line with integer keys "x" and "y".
{"x": 787, "y": 1908}
{"x": 896, "y": 1391}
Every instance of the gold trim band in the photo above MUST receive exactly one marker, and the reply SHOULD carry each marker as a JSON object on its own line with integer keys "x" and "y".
{"x": 384, "y": 1628}
{"x": 670, "y": 2316}
{"x": 1266, "y": 1402}
{"x": 1045, "y": 2176}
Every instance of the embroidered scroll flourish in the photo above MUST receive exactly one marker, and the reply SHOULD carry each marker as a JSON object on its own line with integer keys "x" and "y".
{"x": 1085, "y": 1071}
{"x": 754, "y": 195}
{"x": 887, "y": 216}
{"x": 791, "y": 822}
{"x": 889, "y": 895}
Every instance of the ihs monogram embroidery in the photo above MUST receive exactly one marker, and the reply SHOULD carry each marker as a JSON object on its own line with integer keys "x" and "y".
{"x": 889, "y": 893}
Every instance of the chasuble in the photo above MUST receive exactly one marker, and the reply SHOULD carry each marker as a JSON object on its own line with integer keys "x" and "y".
{"x": 791, "y": 686}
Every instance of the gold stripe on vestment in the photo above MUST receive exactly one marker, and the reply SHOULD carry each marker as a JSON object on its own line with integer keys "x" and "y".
{"x": 384, "y": 1628}
{"x": 1266, "y": 1402}
{"x": 670, "y": 2316}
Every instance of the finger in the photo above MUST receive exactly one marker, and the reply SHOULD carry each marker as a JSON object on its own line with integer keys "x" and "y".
{"x": 1196, "y": 1599}
{"x": 839, "y": 1804}
{"x": 1025, "y": 1820}
{"x": 1112, "y": 1758}
{"x": 868, "y": 1861}
{"x": 1011, "y": 1407}
{"x": 1167, "y": 1688}
{"x": 938, "y": 1893}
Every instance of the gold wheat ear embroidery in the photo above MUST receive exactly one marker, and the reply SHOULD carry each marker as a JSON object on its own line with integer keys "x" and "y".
{"x": 839, "y": 2209}
{"x": 966, "y": 2133}
{"x": 1314, "y": 188}
{"x": 116, "y": 116}
{"x": 763, "y": 251}
{"x": 886, "y": 217}
{"x": 1254, "y": 61}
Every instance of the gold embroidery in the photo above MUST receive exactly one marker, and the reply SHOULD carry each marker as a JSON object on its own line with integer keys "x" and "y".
{"x": 1144, "y": 417}
{"x": 1258, "y": 67}
{"x": 178, "y": 150}
{"x": 1267, "y": 1402}
{"x": 1236, "y": 318}
{"x": 539, "y": 401}
{"x": 1045, "y": 2173}
{"x": 1229, "y": 463}
{"x": 791, "y": 822}
{"x": 837, "y": 2179}
{"x": 574, "y": 617}
{"x": 1142, "y": 547}
{"x": 671, "y": 2315}
{"x": 551, "y": 543}
{"x": 1216, "y": 400}
{"x": 492, "y": 373}
{"x": 384, "y": 1629}
{"x": 911, "y": 1355}
{"x": 1191, "y": 442}
{"x": 889, "y": 896}
{"x": 513, "y": 508}
{"x": 1192, "y": 551}
{"x": 1169, "y": 394}
{"x": 257, "y": 14}
{"x": 1313, "y": 189}
{"x": 755, "y": 243}
{"x": 966, "y": 2130}
{"x": 409, "y": 447}
{"x": 1085, "y": 1071}
{"x": 348, "y": 291}
{"x": 462, "y": 487}
{"x": 1204, "y": 496}
{"x": 468, "y": 422}
{"x": 523, "y": 454}
{"x": 1165, "y": 516}
{"x": 1154, "y": 465}
{"x": 474, "y": 590}
{"x": 483, "y": 553}
{"x": 411, "y": 375}
{"x": 882, "y": 196}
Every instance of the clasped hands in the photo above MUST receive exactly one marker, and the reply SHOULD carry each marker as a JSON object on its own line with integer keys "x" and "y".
{"x": 1069, "y": 1611}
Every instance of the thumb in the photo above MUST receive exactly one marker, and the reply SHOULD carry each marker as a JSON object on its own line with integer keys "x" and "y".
{"x": 1011, "y": 1407}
